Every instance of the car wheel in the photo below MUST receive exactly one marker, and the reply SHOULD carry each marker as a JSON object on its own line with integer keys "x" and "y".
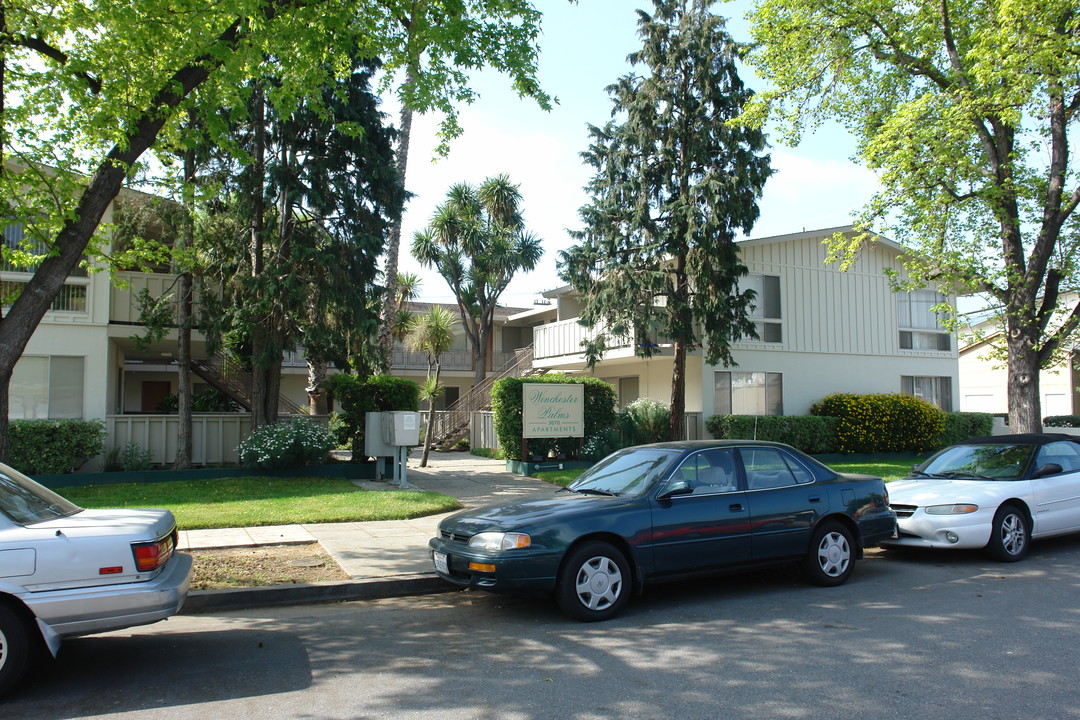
{"x": 1010, "y": 536}
{"x": 594, "y": 582}
{"x": 14, "y": 649}
{"x": 831, "y": 558}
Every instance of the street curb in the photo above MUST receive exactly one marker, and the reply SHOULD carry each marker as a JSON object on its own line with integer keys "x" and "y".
{"x": 207, "y": 601}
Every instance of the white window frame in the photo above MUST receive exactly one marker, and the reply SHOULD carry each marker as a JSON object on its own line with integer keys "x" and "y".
{"x": 764, "y": 390}
{"x": 935, "y": 389}
{"x": 766, "y": 312}
{"x": 46, "y": 402}
{"x": 919, "y": 325}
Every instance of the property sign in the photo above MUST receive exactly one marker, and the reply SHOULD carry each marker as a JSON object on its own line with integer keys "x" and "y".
{"x": 553, "y": 410}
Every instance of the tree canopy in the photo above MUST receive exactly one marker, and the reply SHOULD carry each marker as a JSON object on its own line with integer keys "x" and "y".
{"x": 656, "y": 261}
{"x": 965, "y": 110}
{"x": 477, "y": 241}
{"x": 87, "y": 87}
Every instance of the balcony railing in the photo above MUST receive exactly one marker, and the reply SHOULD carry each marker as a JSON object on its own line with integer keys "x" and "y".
{"x": 564, "y": 338}
{"x": 450, "y": 360}
{"x": 124, "y": 305}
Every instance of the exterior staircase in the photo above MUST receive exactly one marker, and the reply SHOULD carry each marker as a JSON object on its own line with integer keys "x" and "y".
{"x": 232, "y": 379}
{"x": 452, "y": 424}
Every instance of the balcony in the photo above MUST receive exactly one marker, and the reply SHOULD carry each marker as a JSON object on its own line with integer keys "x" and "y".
{"x": 563, "y": 339}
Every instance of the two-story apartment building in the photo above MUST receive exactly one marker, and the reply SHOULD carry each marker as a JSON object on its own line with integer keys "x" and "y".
{"x": 820, "y": 330}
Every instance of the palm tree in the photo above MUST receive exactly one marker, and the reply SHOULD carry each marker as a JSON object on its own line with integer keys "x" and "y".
{"x": 432, "y": 334}
{"x": 477, "y": 241}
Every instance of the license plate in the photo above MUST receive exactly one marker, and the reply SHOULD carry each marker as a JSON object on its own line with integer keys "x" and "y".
{"x": 440, "y": 562}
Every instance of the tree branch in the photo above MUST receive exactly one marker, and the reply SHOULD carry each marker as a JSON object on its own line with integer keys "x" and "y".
{"x": 53, "y": 53}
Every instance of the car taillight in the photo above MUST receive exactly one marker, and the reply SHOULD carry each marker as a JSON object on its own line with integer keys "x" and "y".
{"x": 152, "y": 555}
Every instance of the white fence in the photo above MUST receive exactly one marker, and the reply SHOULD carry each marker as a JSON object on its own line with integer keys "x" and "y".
{"x": 214, "y": 436}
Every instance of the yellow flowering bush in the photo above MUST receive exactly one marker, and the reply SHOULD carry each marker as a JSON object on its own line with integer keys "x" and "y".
{"x": 882, "y": 422}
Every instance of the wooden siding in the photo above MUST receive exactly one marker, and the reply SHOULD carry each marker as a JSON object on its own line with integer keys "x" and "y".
{"x": 828, "y": 310}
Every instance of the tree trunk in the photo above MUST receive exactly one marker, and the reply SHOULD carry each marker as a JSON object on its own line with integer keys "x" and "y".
{"x": 678, "y": 392}
{"x": 185, "y": 402}
{"x": 259, "y": 335}
{"x": 430, "y": 421}
{"x": 317, "y": 404}
{"x": 38, "y": 294}
{"x": 393, "y": 244}
{"x": 1025, "y": 407}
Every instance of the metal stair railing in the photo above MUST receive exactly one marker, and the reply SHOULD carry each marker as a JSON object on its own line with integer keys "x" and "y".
{"x": 452, "y": 423}
{"x": 232, "y": 379}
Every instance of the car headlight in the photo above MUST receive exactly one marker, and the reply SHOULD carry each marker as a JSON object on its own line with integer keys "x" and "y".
{"x": 955, "y": 509}
{"x": 500, "y": 540}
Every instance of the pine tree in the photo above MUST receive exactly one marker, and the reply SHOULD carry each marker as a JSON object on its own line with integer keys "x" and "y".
{"x": 656, "y": 261}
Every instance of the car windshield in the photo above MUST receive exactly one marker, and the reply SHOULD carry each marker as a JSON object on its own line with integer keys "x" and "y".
{"x": 982, "y": 462}
{"x": 26, "y": 502}
{"x": 630, "y": 472}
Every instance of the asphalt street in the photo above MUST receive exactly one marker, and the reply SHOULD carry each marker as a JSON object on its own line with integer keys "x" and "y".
{"x": 912, "y": 635}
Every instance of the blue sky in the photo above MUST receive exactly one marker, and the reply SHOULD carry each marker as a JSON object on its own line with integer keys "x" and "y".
{"x": 584, "y": 49}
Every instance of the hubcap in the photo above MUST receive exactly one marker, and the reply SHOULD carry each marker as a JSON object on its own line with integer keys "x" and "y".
{"x": 1012, "y": 534}
{"x": 834, "y": 555}
{"x": 3, "y": 649}
{"x": 599, "y": 583}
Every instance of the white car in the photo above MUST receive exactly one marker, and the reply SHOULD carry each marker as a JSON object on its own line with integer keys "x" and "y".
{"x": 66, "y": 571}
{"x": 996, "y": 493}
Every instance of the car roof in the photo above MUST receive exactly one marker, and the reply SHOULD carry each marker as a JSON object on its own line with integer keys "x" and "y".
{"x": 1023, "y": 439}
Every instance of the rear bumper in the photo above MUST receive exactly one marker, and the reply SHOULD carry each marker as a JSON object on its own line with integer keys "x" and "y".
{"x": 83, "y": 611}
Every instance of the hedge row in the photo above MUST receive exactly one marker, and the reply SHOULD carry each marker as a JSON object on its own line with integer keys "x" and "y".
{"x": 53, "y": 447}
{"x": 870, "y": 426}
{"x": 506, "y": 402}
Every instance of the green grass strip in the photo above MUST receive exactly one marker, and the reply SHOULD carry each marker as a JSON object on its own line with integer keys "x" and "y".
{"x": 257, "y": 501}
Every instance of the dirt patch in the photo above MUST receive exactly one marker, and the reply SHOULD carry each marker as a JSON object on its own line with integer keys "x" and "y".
{"x": 263, "y": 565}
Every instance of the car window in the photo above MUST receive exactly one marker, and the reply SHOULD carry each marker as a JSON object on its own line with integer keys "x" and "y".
{"x": 26, "y": 502}
{"x": 769, "y": 468}
{"x": 996, "y": 461}
{"x": 710, "y": 471}
{"x": 1064, "y": 453}
{"x": 629, "y": 472}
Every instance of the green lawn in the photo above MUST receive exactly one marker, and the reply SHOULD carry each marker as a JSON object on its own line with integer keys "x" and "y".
{"x": 254, "y": 501}
{"x": 889, "y": 470}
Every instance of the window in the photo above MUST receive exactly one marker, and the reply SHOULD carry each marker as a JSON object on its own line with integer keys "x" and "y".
{"x": 936, "y": 390}
{"x": 46, "y": 387}
{"x": 769, "y": 468}
{"x": 1066, "y": 454}
{"x": 920, "y": 326}
{"x": 710, "y": 472}
{"x": 71, "y": 298}
{"x": 15, "y": 238}
{"x": 765, "y": 309}
{"x": 748, "y": 393}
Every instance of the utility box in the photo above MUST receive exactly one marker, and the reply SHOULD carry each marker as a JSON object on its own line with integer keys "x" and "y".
{"x": 401, "y": 427}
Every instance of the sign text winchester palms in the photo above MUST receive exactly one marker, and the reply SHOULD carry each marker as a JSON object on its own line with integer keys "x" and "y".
{"x": 553, "y": 410}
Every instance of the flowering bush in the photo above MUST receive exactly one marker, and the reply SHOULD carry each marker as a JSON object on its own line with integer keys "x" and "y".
{"x": 285, "y": 445}
{"x": 884, "y": 422}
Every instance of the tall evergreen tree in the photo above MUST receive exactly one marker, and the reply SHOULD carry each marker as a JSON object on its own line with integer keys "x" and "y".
{"x": 295, "y": 248}
{"x": 674, "y": 182}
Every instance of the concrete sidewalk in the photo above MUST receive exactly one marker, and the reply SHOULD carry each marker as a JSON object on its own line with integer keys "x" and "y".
{"x": 382, "y": 558}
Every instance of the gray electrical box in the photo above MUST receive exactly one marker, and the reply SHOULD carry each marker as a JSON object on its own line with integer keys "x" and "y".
{"x": 401, "y": 427}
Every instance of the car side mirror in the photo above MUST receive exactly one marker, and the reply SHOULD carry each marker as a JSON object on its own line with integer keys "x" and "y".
{"x": 1048, "y": 469}
{"x": 676, "y": 487}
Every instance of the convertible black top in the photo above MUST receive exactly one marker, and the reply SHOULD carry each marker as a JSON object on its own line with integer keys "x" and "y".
{"x": 1023, "y": 439}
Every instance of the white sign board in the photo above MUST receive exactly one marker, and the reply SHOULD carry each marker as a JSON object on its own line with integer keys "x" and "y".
{"x": 552, "y": 410}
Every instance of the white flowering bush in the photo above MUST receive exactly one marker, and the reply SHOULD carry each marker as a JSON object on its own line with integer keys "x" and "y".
{"x": 285, "y": 445}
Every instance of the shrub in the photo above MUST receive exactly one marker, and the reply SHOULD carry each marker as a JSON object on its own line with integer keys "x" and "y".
{"x": 284, "y": 445}
{"x": 493, "y": 453}
{"x": 51, "y": 447}
{"x": 1061, "y": 421}
{"x": 358, "y": 396}
{"x": 206, "y": 399}
{"x": 506, "y": 402}
{"x": 133, "y": 457}
{"x": 602, "y": 443}
{"x": 884, "y": 422}
{"x": 960, "y": 426}
{"x": 645, "y": 421}
{"x": 809, "y": 433}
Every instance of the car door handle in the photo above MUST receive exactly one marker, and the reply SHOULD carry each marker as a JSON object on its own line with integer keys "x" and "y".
{"x": 735, "y": 507}
{"x": 815, "y": 498}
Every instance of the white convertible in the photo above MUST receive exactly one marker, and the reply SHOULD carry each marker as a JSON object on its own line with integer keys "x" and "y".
{"x": 996, "y": 493}
{"x": 66, "y": 571}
